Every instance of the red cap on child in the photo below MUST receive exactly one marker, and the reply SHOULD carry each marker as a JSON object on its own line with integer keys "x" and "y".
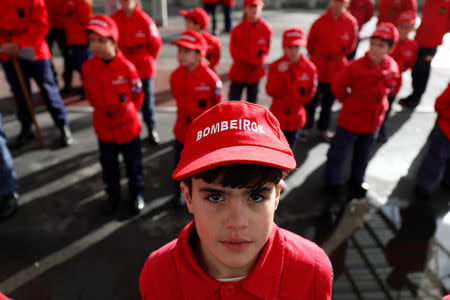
{"x": 407, "y": 16}
{"x": 254, "y": 2}
{"x": 387, "y": 31}
{"x": 192, "y": 40}
{"x": 294, "y": 36}
{"x": 198, "y": 14}
{"x": 104, "y": 26}
{"x": 234, "y": 132}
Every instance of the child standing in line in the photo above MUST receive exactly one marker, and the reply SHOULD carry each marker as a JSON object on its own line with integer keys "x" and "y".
{"x": 140, "y": 42}
{"x": 195, "y": 88}
{"x": 292, "y": 82}
{"x": 249, "y": 47}
{"x": 364, "y": 105}
{"x": 197, "y": 20}
{"x": 234, "y": 158}
{"x": 114, "y": 90}
{"x": 405, "y": 54}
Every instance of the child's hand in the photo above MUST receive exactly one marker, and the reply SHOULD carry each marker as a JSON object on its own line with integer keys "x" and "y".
{"x": 283, "y": 66}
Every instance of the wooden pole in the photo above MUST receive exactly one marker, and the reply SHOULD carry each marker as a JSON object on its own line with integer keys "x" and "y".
{"x": 27, "y": 99}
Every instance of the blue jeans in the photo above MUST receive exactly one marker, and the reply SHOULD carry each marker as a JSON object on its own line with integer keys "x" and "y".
{"x": 291, "y": 137}
{"x": 132, "y": 157}
{"x": 148, "y": 107}
{"x": 41, "y": 72}
{"x": 227, "y": 10}
{"x": 78, "y": 55}
{"x": 211, "y": 10}
{"x": 436, "y": 161}
{"x": 327, "y": 99}
{"x": 236, "y": 89}
{"x": 341, "y": 145}
{"x": 8, "y": 184}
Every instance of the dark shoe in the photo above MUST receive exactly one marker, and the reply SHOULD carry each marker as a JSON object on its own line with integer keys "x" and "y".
{"x": 381, "y": 138}
{"x": 324, "y": 135}
{"x": 8, "y": 205}
{"x": 409, "y": 102}
{"x": 137, "y": 204}
{"x": 358, "y": 191}
{"x": 26, "y": 134}
{"x": 66, "y": 136}
{"x": 67, "y": 89}
{"x": 153, "y": 137}
{"x": 109, "y": 208}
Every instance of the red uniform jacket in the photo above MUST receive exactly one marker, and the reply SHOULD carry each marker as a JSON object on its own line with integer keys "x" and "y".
{"x": 55, "y": 13}
{"x": 290, "y": 267}
{"x": 435, "y": 23}
{"x": 291, "y": 90}
{"x": 77, "y": 14}
{"x": 364, "y": 107}
{"x": 442, "y": 107}
{"x": 405, "y": 54}
{"x": 227, "y": 3}
{"x": 25, "y": 22}
{"x": 139, "y": 40}
{"x": 213, "y": 53}
{"x": 389, "y": 10}
{"x": 115, "y": 91}
{"x": 194, "y": 92}
{"x": 249, "y": 47}
{"x": 362, "y": 10}
{"x": 330, "y": 40}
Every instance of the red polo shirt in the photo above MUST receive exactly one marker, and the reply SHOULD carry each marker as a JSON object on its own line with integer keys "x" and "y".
{"x": 442, "y": 107}
{"x": 330, "y": 40}
{"x": 364, "y": 107}
{"x": 291, "y": 90}
{"x": 194, "y": 93}
{"x": 290, "y": 267}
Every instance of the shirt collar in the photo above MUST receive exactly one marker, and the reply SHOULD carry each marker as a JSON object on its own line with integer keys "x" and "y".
{"x": 263, "y": 281}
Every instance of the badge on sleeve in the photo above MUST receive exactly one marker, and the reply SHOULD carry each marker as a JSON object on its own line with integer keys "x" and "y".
{"x": 153, "y": 30}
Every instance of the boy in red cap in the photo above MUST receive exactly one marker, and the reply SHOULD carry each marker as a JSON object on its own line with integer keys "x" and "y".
{"x": 405, "y": 54}
{"x": 231, "y": 168}
{"x": 249, "y": 47}
{"x": 197, "y": 20}
{"x": 113, "y": 88}
{"x": 291, "y": 82}
{"x": 140, "y": 42}
{"x": 362, "y": 10}
{"x": 363, "y": 108}
{"x": 195, "y": 88}
{"x": 390, "y": 10}
{"x": 331, "y": 38}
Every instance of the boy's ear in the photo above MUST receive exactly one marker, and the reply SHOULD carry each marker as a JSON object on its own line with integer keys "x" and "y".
{"x": 187, "y": 196}
{"x": 278, "y": 188}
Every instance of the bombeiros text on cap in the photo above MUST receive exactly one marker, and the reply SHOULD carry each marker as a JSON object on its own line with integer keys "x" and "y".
{"x": 237, "y": 124}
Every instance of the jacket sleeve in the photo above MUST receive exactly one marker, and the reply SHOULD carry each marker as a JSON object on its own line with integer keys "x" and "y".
{"x": 155, "y": 40}
{"x": 313, "y": 86}
{"x": 217, "y": 96}
{"x": 137, "y": 93}
{"x": 84, "y": 11}
{"x": 324, "y": 276}
{"x": 397, "y": 82}
{"x": 37, "y": 27}
{"x": 237, "y": 52}
{"x": 86, "y": 85}
{"x": 341, "y": 82}
{"x": 442, "y": 104}
{"x": 354, "y": 35}
{"x": 275, "y": 85}
{"x": 311, "y": 39}
{"x": 215, "y": 55}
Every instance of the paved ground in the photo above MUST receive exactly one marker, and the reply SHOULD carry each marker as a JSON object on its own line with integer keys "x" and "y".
{"x": 58, "y": 247}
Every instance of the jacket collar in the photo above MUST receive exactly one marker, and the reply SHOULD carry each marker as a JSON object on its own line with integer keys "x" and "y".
{"x": 263, "y": 281}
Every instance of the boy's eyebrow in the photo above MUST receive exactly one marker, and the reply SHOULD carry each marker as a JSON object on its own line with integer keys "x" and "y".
{"x": 263, "y": 189}
{"x": 212, "y": 190}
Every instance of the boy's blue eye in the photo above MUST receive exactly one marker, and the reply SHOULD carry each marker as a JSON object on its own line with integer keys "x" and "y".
{"x": 215, "y": 198}
{"x": 256, "y": 198}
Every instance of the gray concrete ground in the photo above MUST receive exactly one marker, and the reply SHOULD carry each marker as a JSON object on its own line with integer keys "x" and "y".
{"x": 58, "y": 246}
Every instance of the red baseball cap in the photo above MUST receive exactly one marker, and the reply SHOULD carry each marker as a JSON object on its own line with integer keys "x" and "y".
{"x": 294, "y": 36}
{"x": 254, "y": 2}
{"x": 407, "y": 16}
{"x": 387, "y": 31}
{"x": 104, "y": 26}
{"x": 198, "y": 14}
{"x": 234, "y": 132}
{"x": 192, "y": 40}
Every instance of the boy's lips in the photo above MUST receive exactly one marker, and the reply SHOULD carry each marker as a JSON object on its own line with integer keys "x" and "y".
{"x": 236, "y": 244}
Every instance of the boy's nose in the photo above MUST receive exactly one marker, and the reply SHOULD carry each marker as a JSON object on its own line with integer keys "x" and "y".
{"x": 236, "y": 217}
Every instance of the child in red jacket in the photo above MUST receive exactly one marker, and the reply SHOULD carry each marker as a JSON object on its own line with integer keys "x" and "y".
{"x": 197, "y": 20}
{"x": 140, "y": 42}
{"x": 195, "y": 88}
{"x": 363, "y": 108}
{"x": 249, "y": 47}
{"x": 113, "y": 88}
{"x": 291, "y": 82}
{"x": 331, "y": 38}
{"x": 436, "y": 162}
{"x": 405, "y": 54}
{"x": 231, "y": 167}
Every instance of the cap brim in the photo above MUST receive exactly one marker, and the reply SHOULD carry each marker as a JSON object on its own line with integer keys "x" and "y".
{"x": 185, "y": 44}
{"x": 301, "y": 43}
{"x": 235, "y": 155}
{"x": 184, "y": 13}
{"x": 99, "y": 30}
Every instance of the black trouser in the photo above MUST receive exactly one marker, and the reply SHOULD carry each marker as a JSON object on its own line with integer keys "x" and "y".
{"x": 211, "y": 10}
{"x": 421, "y": 72}
{"x": 59, "y": 36}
